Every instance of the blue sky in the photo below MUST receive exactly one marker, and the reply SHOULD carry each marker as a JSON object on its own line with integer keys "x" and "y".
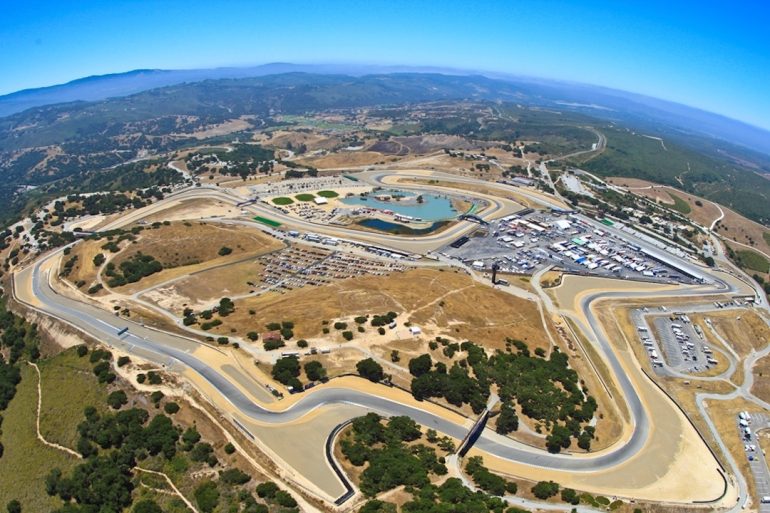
{"x": 712, "y": 55}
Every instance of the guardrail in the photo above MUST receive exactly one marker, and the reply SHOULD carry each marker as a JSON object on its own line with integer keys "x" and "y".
{"x": 349, "y": 490}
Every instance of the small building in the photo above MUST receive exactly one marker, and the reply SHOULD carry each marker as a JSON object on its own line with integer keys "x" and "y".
{"x": 415, "y": 330}
{"x": 271, "y": 336}
{"x": 320, "y": 200}
{"x": 563, "y": 224}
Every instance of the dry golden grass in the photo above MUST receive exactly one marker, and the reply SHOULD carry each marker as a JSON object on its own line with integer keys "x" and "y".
{"x": 230, "y": 280}
{"x": 761, "y": 386}
{"x": 189, "y": 247}
{"x": 84, "y": 269}
{"x": 744, "y": 335}
{"x": 450, "y": 301}
{"x": 344, "y": 159}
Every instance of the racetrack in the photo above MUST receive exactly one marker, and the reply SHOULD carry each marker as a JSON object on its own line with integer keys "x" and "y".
{"x": 32, "y": 287}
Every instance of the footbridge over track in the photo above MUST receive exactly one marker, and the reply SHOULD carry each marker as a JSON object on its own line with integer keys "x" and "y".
{"x": 477, "y": 429}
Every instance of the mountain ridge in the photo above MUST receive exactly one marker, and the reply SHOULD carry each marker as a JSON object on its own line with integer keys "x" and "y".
{"x": 573, "y": 95}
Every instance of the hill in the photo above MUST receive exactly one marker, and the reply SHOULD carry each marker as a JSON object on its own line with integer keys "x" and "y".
{"x": 597, "y": 101}
{"x": 60, "y": 145}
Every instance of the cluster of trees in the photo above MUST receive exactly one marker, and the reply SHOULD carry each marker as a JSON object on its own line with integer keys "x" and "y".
{"x": 546, "y": 389}
{"x": 454, "y": 384}
{"x": 391, "y": 462}
{"x": 22, "y": 340}
{"x": 450, "y": 497}
{"x": 106, "y": 203}
{"x": 112, "y": 444}
{"x": 287, "y": 371}
{"x": 101, "y": 359}
{"x": 244, "y": 160}
{"x": 132, "y": 270}
{"x": 486, "y": 480}
{"x": 104, "y": 481}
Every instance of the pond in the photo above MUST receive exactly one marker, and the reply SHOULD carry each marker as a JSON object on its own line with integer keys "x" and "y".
{"x": 405, "y": 203}
{"x": 400, "y": 229}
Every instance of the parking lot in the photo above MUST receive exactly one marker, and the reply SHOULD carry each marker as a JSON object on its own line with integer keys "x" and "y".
{"x": 683, "y": 346}
{"x": 748, "y": 426}
{"x": 304, "y": 265}
{"x": 522, "y": 243}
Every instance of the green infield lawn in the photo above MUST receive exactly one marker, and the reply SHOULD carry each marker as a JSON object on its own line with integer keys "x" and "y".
{"x": 328, "y": 194}
{"x": 283, "y": 201}
{"x": 305, "y": 196}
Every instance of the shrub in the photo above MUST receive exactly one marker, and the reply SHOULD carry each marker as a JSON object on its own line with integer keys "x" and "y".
{"x": 224, "y": 251}
{"x": 267, "y": 490}
{"x": 229, "y": 448}
{"x": 271, "y": 345}
{"x": 302, "y": 343}
{"x": 234, "y": 476}
{"x": 146, "y": 506}
{"x": 315, "y": 371}
{"x": 284, "y": 499}
{"x": 117, "y": 399}
{"x": 370, "y": 370}
{"x": 82, "y": 350}
{"x": 420, "y": 365}
{"x": 171, "y": 408}
{"x": 207, "y": 496}
{"x": 123, "y": 360}
{"x": 569, "y": 495}
{"x": 252, "y": 335}
{"x": 347, "y": 335}
{"x": 545, "y": 489}
{"x": 340, "y": 325}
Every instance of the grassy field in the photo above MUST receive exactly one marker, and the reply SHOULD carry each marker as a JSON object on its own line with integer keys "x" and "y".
{"x": 27, "y": 461}
{"x": 753, "y": 261}
{"x": 766, "y": 236}
{"x": 68, "y": 385}
{"x": 305, "y": 196}
{"x": 283, "y": 201}
{"x": 328, "y": 194}
{"x": 679, "y": 205}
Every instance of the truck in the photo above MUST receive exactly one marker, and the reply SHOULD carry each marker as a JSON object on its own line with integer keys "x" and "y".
{"x": 121, "y": 331}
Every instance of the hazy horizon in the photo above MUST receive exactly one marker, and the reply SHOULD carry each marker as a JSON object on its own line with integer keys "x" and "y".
{"x": 698, "y": 54}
